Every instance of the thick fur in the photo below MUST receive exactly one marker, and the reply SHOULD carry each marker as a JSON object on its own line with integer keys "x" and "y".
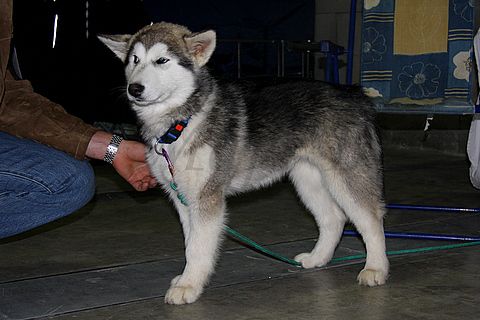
{"x": 241, "y": 138}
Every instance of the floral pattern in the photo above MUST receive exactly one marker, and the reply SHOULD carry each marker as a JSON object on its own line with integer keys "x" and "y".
{"x": 429, "y": 74}
{"x": 463, "y": 65}
{"x": 372, "y": 92}
{"x": 419, "y": 80}
{"x": 374, "y": 46}
{"x": 369, "y": 4}
{"x": 464, "y": 8}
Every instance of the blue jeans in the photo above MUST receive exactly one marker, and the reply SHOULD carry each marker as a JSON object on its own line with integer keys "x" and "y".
{"x": 39, "y": 184}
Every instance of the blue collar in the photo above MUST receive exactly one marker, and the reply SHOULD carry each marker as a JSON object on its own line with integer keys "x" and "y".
{"x": 174, "y": 132}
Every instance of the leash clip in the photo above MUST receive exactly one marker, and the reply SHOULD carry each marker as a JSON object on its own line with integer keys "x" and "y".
{"x": 165, "y": 155}
{"x": 155, "y": 147}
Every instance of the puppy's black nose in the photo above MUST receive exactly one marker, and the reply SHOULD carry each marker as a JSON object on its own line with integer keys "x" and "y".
{"x": 135, "y": 89}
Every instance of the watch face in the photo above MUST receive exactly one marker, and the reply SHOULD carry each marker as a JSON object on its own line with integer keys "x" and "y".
{"x": 112, "y": 149}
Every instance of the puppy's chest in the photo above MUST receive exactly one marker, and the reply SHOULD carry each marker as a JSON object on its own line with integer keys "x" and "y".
{"x": 187, "y": 168}
{"x": 159, "y": 165}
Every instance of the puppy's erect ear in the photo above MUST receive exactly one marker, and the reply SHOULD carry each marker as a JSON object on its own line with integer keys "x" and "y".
{"x": 118, "y": 43}
{"x": 201, "y": 46}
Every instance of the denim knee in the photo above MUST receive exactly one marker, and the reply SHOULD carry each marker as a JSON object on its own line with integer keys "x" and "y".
{"x": 39, "y": 184}
{"x": 82, "y": 187}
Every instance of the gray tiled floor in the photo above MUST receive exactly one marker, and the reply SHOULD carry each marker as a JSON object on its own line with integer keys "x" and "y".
{"x": 114, "y": 258}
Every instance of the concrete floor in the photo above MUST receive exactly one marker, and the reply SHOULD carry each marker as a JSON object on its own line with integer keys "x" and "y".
{"x": 114, "y": 258}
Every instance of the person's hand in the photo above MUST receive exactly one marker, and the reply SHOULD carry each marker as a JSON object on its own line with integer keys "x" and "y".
{"x": 130, "y": 163}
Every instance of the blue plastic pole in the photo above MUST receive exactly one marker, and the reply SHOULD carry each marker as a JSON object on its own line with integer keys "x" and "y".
{"x": 328, "y": 68}
{"x": 432, "y": 208}
{"x": 334, "y": 57}
{"x": 422, "y": 236}
{"x": 351, "y": 40}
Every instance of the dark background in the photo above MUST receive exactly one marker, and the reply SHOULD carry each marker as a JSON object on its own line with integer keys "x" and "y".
{"x": 83, "y": 76}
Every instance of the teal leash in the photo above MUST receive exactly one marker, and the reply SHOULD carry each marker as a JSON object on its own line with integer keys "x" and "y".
{"x": 410, "y": 251}
{"x": 245, "y": 240}
{"x": 249, "y": 242}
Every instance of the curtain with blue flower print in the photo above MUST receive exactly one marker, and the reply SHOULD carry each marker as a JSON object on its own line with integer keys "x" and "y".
{"x": 417, "y": 51}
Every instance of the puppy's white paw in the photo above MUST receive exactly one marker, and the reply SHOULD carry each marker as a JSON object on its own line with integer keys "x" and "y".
{"x": 175, "y": 280}
{"x": 372, "y": 278}
{"x": 181, "y": 294}
{"x": 308, "y": 260}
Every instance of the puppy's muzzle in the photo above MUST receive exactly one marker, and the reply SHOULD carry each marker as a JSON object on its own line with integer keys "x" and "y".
{"x": 136, "y": 90}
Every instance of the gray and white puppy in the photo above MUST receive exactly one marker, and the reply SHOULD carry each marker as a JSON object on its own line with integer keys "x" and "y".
{"x": 321, "y": 136}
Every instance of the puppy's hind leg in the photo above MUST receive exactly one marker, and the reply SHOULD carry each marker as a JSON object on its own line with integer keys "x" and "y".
{"x": 358, "y": 194}
{"x": 329, "y": 217}
{"x": 204, "y": 233}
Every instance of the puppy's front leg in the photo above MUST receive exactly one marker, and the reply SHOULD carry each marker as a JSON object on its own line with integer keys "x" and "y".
{"x": 206, "y": 224}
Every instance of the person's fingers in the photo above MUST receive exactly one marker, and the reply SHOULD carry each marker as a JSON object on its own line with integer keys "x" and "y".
{"x": 142, "y": 182}
{"x": 152, "y": 183}
{"x": 138, "y": 185}
{"x": 143, "y": 186}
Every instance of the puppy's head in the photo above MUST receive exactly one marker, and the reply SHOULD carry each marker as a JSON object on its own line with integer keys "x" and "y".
{"x": 161, "y": 61}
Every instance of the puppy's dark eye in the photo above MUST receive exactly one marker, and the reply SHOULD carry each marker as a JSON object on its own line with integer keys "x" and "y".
{"x": 162, "y": 60}
{"x": 135, "y": 59}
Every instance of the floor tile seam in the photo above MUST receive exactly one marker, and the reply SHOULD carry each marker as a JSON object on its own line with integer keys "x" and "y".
{"x": 181, "y": 257}
{"x": 435, "y": 221}
{"x": 106, "y": 268}
{"x": 114, "y": 195}
{"x": 86, "y": 270}
{"x": 423, "y": 167}
{"x": 273, "y": 278}
{"x": 208, "y": 288}
{"x": 169, "y": 259}
{"x": 122, "y": 195}
{"x": 217, "y": 287}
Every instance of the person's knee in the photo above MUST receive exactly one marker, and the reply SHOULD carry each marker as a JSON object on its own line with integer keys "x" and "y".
{"x": 52, "y": 191}
{"x": 81, "y": 188}
{"x": 73, "y": 183}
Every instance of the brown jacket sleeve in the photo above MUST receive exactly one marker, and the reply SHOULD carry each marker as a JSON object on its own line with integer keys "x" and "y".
{"x": 26, "y": 114}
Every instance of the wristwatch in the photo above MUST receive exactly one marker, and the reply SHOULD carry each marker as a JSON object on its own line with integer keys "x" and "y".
{"x": 112, "y": 149}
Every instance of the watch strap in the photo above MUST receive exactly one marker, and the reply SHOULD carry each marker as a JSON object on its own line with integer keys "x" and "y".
{"x": 112, "y": 148}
